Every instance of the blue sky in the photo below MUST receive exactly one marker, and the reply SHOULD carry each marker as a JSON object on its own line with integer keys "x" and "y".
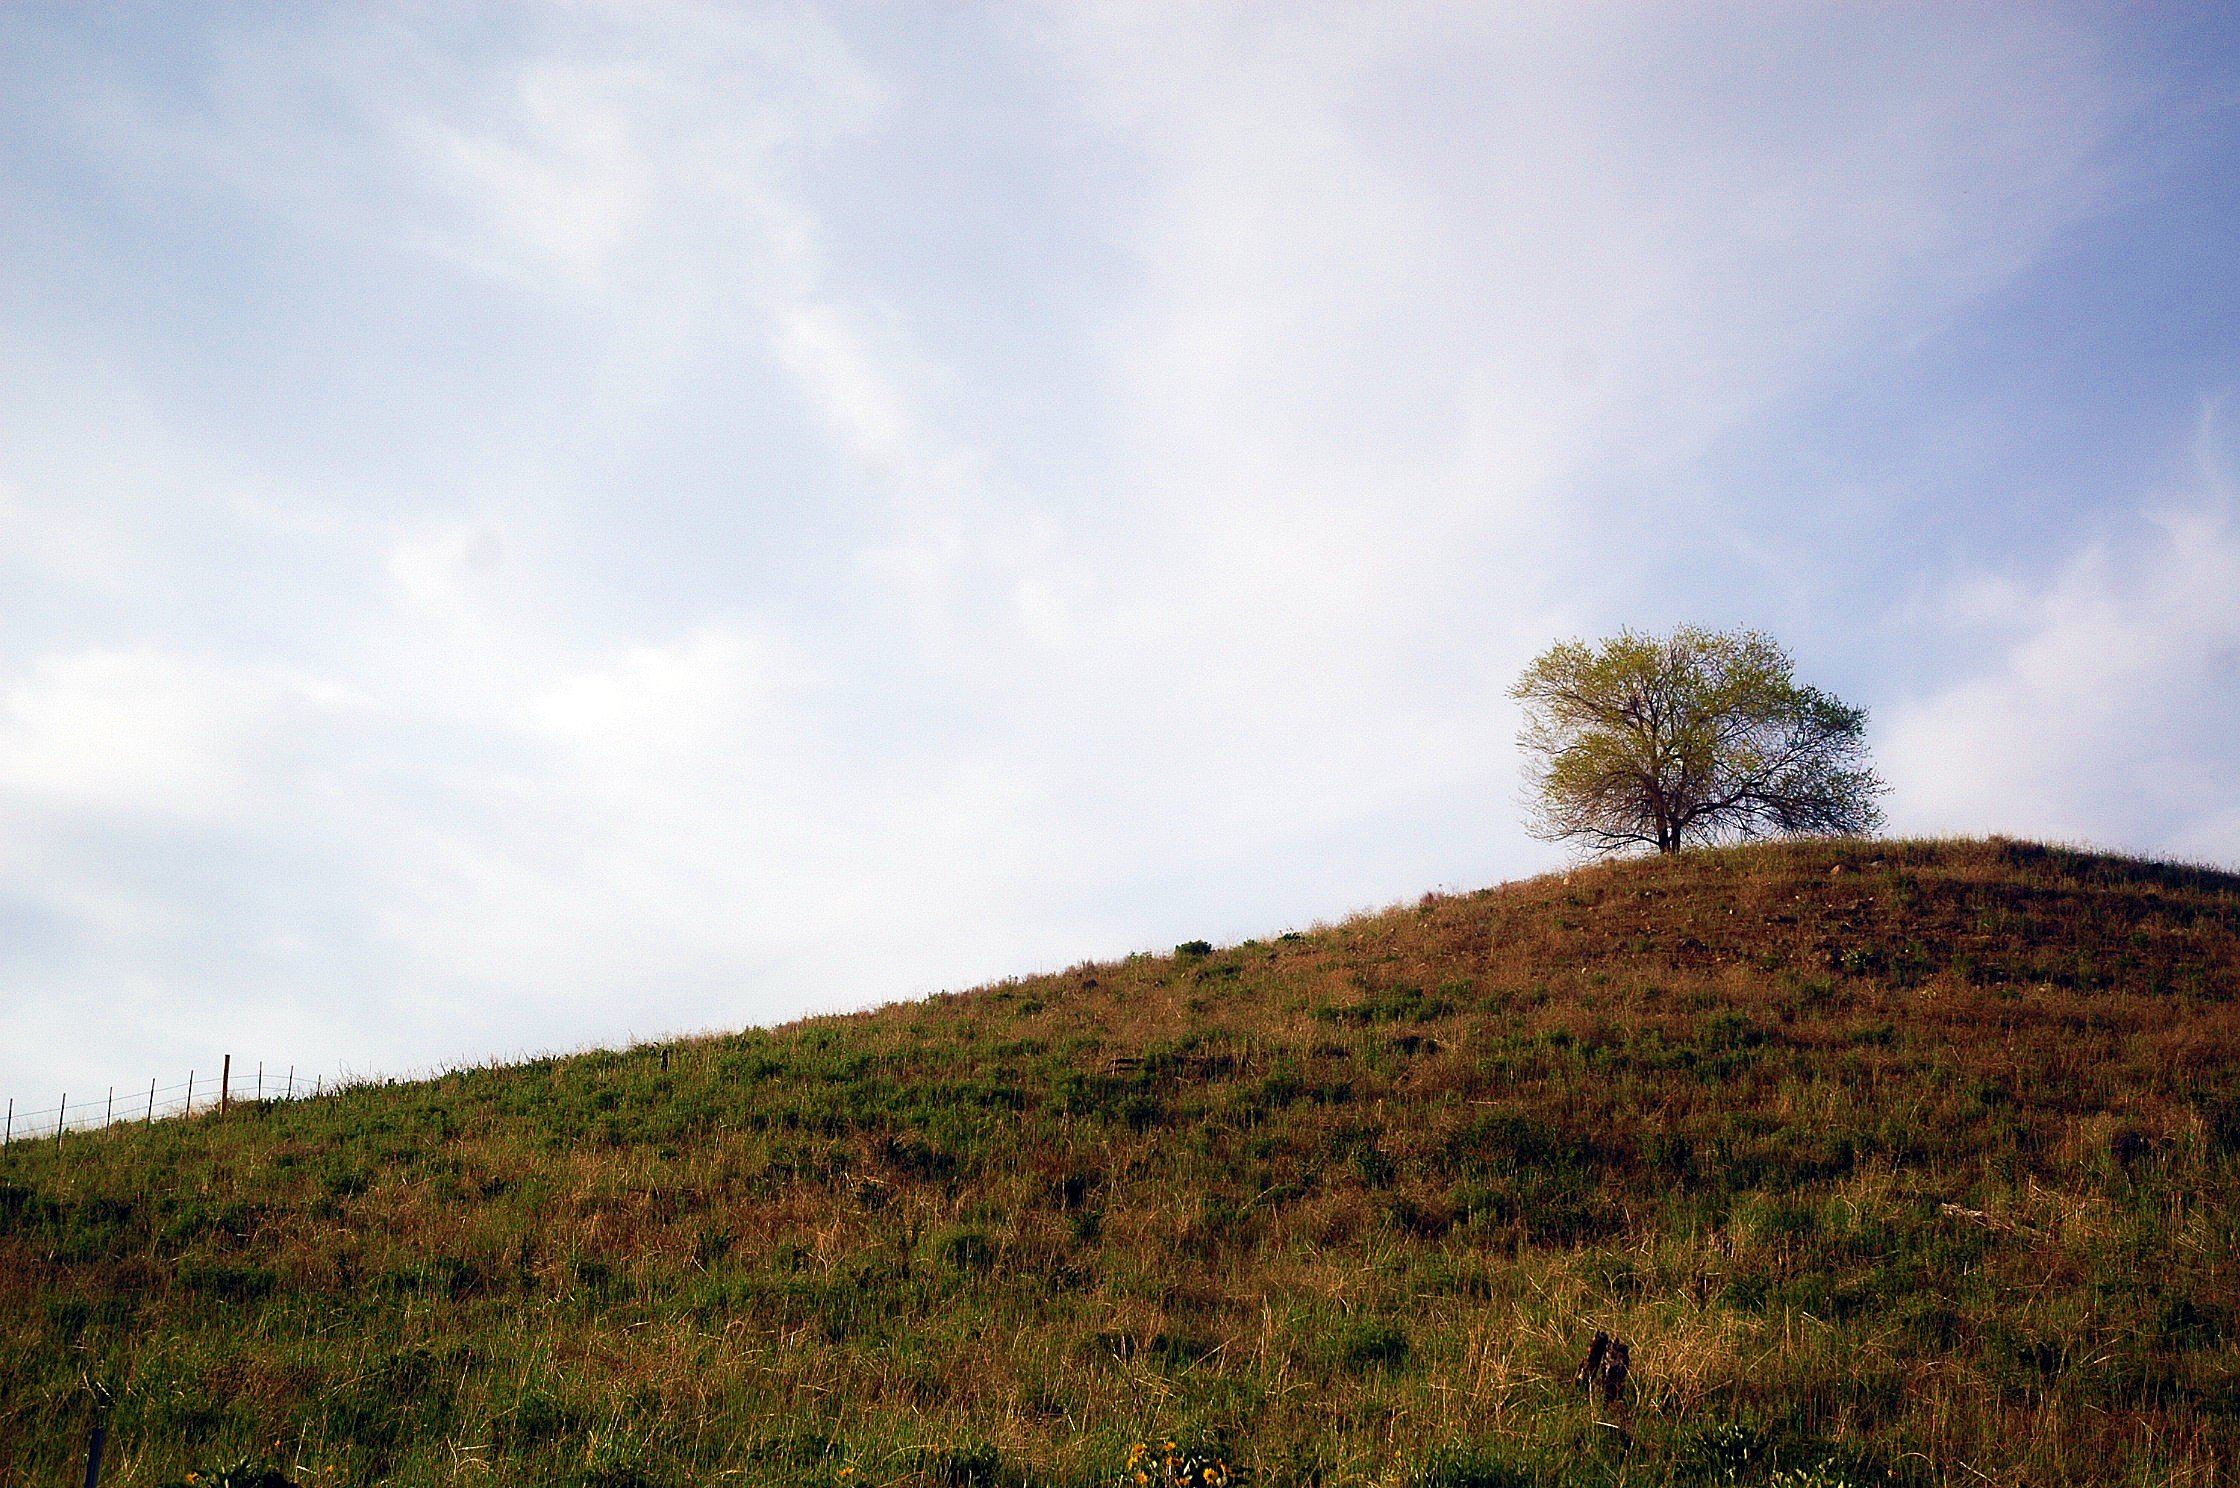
{"x": 524, "y": 526}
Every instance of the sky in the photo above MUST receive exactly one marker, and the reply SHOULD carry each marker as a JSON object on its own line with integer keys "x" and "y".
{"x": 529, "y": 526}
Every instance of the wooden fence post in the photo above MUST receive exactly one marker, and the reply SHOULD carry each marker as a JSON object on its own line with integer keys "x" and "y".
{"x": 60, "y": 1112}
{"x": 151, "y": 1103}
{"x": 225, "y": 1085}
{"x": 10, "y": 1135}
{"x": 190, "y": 1093}
{"x": 95, "y": 1440}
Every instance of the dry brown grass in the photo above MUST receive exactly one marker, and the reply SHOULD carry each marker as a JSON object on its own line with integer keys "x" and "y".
{"x": 1914, "y": 1161}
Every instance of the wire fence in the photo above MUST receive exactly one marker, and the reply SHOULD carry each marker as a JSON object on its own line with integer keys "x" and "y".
{"x": 202, "y": 1091}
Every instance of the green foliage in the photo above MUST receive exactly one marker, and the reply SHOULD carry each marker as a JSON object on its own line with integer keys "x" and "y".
{"x": 1170, "y": 1464}
{"x": 1728, "y": 1452}
{"x": 1362, "y": 1345}
{"x": 243, "y": 1474}
{"x": 1818, "y": 1476}
{"x": 1696, "y": 737}
{"x": 1470, "y": 1467}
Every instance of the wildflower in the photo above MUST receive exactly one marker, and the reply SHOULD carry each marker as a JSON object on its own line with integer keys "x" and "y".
{"x": 1174, "y": 1466}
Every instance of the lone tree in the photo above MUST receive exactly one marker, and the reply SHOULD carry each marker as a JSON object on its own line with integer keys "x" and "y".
{"x": 1696, "y": 737}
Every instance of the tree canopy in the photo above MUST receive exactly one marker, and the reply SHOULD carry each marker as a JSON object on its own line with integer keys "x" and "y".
{"x": 1697, "y": 737}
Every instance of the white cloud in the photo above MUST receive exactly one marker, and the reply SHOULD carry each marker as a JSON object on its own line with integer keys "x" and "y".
{"x": 439, "y": 573}
{"x": 692, "y": 652}
{"x": 1428, "y": 310}
{"x": 655, "y": 707}
{"x": 2105, "y": 700}
{"x": 567, "y": 187}
{"x": 1593, "y": 241}
{"x": 861, "y": 402}
{"x": 592, "y": 151}
{"x": 139, "y": 732}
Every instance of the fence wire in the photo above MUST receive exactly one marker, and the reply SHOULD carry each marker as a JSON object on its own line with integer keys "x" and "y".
{"x": 120, "y": 1105}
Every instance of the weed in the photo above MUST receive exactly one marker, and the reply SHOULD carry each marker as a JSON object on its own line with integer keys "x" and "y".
{"x": 1170, "y": 1465}
{"x": 246, "y": 1473}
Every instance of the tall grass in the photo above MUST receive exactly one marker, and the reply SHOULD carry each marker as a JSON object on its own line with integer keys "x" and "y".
{"x": 1894, "y": 1162}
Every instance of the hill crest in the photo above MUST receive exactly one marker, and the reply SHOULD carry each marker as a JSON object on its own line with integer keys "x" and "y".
{"x": 1892, "y": 1161}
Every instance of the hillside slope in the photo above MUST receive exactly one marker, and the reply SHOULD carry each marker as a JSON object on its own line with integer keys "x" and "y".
{"x": 1908, "y": 1162}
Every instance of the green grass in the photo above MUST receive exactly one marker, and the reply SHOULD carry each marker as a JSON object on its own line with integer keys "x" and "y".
{"x": 1921, "y": 1172}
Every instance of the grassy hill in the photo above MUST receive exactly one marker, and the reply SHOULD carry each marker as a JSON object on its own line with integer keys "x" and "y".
{"x": 1904, "y": 1162}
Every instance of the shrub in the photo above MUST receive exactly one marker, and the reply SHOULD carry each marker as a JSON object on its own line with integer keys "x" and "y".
{"x": 973, "y": 1465}
{"x": 964, "y": 1250}
{"x": 243, "y": 1474}
{"x": 1731, "y": 1452}
{"x": 1363, "y": 1345}
{"x": 1171, "y": 1465}
{"x": 1472, "y": 1467}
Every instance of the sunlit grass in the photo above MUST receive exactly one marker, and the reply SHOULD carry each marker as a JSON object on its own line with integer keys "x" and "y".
{"x": 1918, "y": 1171}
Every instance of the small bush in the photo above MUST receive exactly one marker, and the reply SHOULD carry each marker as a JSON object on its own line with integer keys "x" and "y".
{"x": 1172, "y": 1465}
{"x": 1364, "y": 1345}
{"x": 974, "y": 1465}
{"x": 243, "y": 1474}
{"x": 1731, "y": 1452}
{"x": 2220, "y": 1117}
{"x": 614, "y": 1465}
{"x": 1472, "y": 1467}
{"x": 536, "y": 1419}
{"x": 964, "y": 1250}
{"x": 1823, "y": 1476}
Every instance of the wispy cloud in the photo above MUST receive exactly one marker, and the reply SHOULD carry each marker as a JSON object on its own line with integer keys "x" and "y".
{"x": 2104, "y": 697}
{"x": 558, "y": 522}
